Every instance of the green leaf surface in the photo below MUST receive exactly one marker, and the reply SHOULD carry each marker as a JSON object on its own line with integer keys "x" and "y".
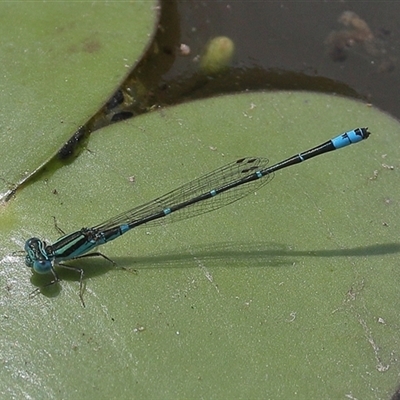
{"x": 60, "y": 61}
{"x": 290, "y": 292}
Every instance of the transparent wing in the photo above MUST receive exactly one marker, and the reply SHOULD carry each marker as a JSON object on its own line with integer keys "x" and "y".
{"x": 226, "y": 175}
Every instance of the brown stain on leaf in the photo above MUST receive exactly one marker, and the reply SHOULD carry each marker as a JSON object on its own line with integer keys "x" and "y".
{"x": 87, "y": 46}
{"x": 91, "y": 46}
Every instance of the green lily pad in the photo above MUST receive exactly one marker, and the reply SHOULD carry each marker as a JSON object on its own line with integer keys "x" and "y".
{"x": 293, "y": 290}
{"x": 59, "y": 62}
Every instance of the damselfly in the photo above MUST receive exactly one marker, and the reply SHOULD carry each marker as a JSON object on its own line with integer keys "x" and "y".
{"x": 207, "y": 193}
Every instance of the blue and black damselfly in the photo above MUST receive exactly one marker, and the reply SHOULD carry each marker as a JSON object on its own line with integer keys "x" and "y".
{"x": 217, "y": 189}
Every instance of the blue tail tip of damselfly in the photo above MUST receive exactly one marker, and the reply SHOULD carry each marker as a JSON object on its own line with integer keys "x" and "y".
{"x": 350, "y": 137}
{"x": 357, "y": 134}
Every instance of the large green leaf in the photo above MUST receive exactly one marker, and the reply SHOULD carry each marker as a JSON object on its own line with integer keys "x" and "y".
{"x": 293, "y": 291}
{"x": 60, "y": 61}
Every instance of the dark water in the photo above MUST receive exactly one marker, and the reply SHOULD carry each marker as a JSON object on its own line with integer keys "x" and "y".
{"x": 299, "y": 45}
